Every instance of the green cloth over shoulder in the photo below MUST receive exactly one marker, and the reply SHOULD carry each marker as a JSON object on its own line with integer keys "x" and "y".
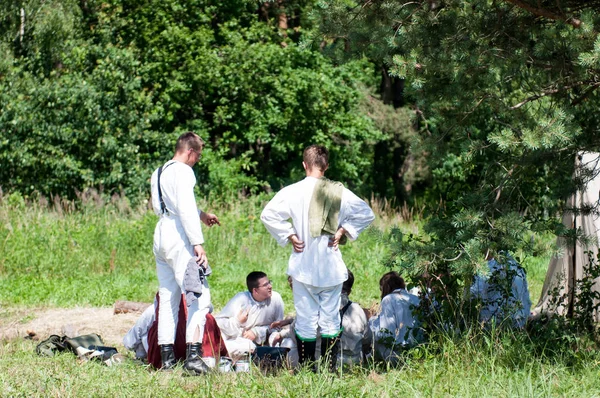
{"x": 324, "y": 208}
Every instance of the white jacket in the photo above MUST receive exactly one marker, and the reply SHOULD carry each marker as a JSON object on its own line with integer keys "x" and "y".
{"x": 393, "y": 328}
{"x": 318, "y": 265}
{"x": 177, "y": 183}
{"x": 261, "y": 315}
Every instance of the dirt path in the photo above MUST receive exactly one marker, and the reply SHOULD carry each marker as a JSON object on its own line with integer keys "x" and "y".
{"x": 17, "y": 322}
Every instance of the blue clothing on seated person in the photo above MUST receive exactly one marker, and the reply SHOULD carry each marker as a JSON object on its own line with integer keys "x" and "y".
{"x": 504, "y": 292}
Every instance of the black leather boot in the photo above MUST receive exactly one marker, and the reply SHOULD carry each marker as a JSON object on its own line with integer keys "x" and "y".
{"x": 306, "y": 353}
{"x": 193, "y": 361}
{"x": 167, "y": 356}
{"x": 329, "y": 352}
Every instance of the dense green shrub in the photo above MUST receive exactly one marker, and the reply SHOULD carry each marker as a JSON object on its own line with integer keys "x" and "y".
{"x": 94, "y": 94}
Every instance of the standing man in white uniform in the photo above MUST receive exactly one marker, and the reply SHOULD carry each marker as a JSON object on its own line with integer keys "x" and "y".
{"x": 177, "y": 240}
{"x": 323, "y": 215}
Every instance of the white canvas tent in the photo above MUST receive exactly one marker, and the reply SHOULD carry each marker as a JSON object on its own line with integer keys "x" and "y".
{"x": 565, "y": 270}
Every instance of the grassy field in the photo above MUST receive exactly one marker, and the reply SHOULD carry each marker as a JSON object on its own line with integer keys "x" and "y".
{"x": 53, "y": 257}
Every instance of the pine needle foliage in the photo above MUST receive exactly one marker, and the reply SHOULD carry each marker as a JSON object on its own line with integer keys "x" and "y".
{"x": 505, "y": 93}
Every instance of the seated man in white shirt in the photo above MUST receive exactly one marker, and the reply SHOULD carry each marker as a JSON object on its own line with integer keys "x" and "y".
{"x": 283, "y": 335}
{"x": 354, "y": 327}
{"x": 245, "y": 321}
{"x": 504, "y": 292}
{"x": 394, "y": 328}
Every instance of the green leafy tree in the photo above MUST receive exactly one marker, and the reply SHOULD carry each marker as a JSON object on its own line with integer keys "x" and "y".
{"x": 506, "y": 94}
{"x": 94, "y": 94}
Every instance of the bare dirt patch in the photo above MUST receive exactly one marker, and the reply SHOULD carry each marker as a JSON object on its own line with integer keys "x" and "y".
{"x": 18, "y": 322}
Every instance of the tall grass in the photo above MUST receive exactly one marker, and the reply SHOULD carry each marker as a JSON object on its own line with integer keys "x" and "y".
{"x": 51, "y": 254}
{"x": 59, "y": 254}
{"x": 95, "y": 252}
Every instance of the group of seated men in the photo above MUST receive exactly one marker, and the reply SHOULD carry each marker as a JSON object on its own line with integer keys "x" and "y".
{"x": 256, "y": 318}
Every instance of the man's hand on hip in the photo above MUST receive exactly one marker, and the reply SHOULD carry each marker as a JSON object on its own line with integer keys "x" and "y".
{"x": 334, "y": 241}
{"x": 297, "y": 243}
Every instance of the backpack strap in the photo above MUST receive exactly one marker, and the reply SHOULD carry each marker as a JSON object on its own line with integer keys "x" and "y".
{"x": 343, "y": 312}
{"x": 163, "y": 207}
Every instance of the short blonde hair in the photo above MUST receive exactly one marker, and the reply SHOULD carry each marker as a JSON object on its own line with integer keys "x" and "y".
{"x": 189, "y": 140}
{"x": 316, "y": 156}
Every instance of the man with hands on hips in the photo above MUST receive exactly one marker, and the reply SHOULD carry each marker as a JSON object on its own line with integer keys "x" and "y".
{"x": 316, "y": 215}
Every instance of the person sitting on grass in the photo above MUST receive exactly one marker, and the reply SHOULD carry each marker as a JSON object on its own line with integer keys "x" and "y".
{"x": 503, "y": 292}
{"x": 245, "y": 321}
{"x": 283, "y": 335}
{"x": 136, "y": 339}
{"x": 394, "y": 328}
{"x": 354, "y": 327}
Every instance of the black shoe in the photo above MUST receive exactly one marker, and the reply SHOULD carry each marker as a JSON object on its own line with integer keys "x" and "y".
{"x": 167, "y": 356}
{"x": 193, "y": 362}
{"x": 306, "y": 353}
{"x": 329, "y": 352}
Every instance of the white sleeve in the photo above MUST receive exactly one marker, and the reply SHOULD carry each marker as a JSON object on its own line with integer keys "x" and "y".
{"x": 287, "y": 331}
{"x": 276, "y": 315}
{"x": 356, "y": 215}
{"x": 140, "y": 329}
{"x": 187, "y": 208}
{"x": 275, "y": 216}
{"x": 227, "y": 319}
{"x": 154, "y": 193}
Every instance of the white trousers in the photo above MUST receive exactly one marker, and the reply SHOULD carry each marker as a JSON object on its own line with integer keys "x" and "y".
{"x": 317, "y": 307}
{"x": 239, "y": 347}
{"x": 136, "y": 338}
{"x": 173, "y": 252}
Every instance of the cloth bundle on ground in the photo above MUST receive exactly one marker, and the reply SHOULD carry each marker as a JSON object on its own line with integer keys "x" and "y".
{"x": 89, "y": 346}
{"x": 212, "y": 343}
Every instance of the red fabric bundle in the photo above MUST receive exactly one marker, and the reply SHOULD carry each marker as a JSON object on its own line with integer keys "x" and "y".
{"x": 212, "y": 342}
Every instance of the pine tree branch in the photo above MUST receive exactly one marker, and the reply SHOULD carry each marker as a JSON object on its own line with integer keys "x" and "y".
{"x": 533, "y": 98}
{"x": 542, "y": 12}
{"x": 583, "y": 96}
{"x": 554, "y": 91}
